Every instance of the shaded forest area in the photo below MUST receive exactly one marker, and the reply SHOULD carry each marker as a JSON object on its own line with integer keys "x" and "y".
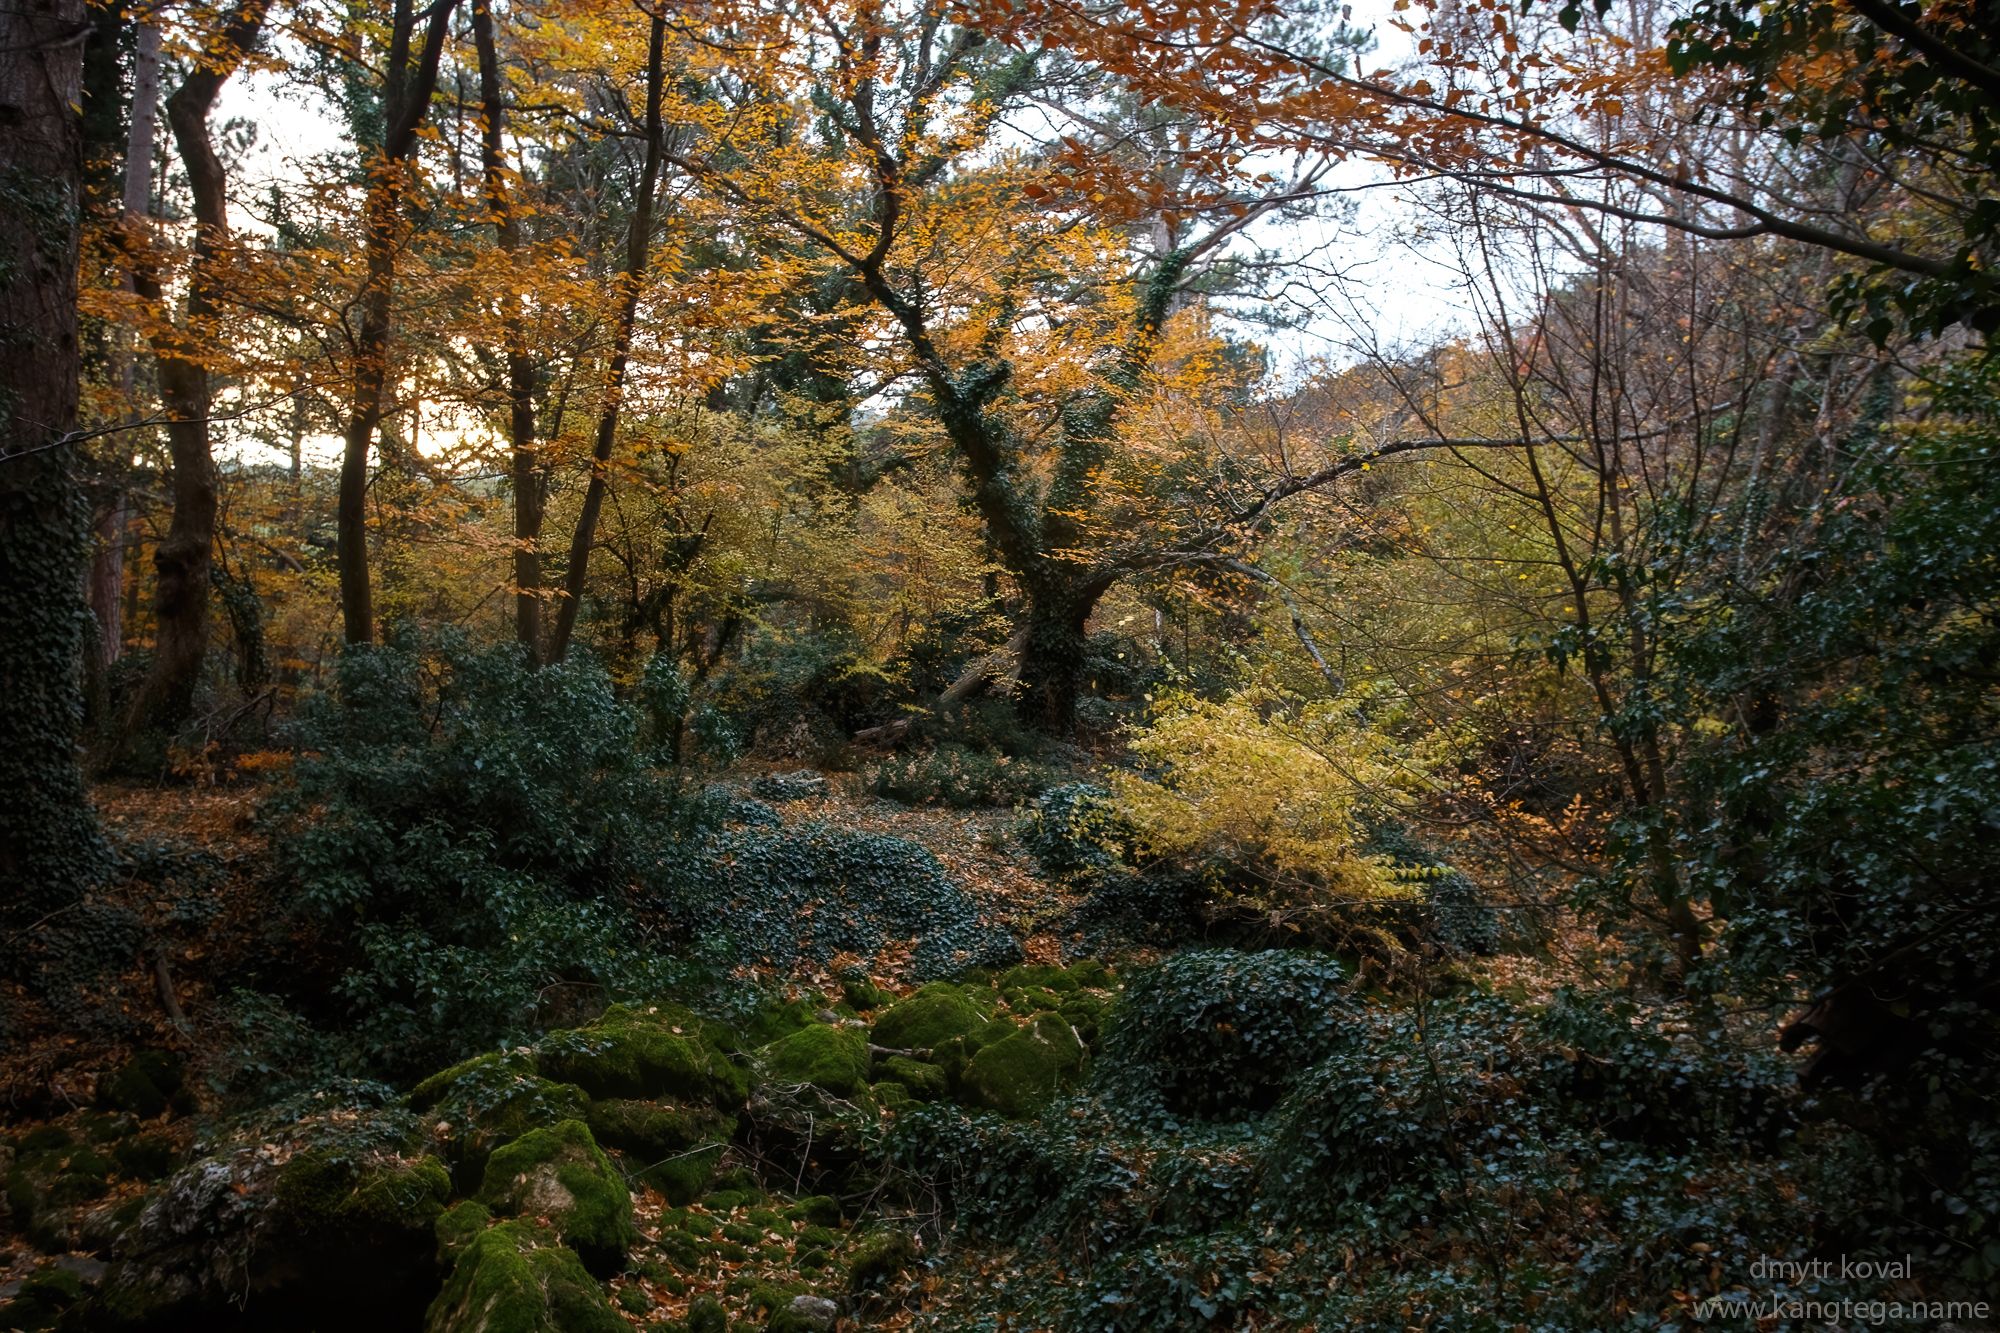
{"x": 837, "y": 664}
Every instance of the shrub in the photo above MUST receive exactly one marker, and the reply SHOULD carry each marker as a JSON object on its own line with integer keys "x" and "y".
{"x": 1217, "y": 1034}
{"x": 466, "y": 833}
{"x": 1075, "y": 833}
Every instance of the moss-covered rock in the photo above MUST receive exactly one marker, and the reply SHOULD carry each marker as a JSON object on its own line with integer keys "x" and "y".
{"x": 560, "y": 1174}
{"x": 860, "y": 990}
{"x": 144, "y": 1156}
{"x": 684, "y": 1176}
{"x": 832, "y": 1059}
{"x": 1022, "y": 1073}
{"x": 920, "y": 1080}
{"x": 1092, "y": 975}
{"x": 705, "y": 1315}
{"x": 479, "y": 1104}
{"x": 458, "y": 1226}
{"x": 651, "y": 1131}
{"x": 819, "y": 1210}
{"x": 516, "y": 1278}
{"x": 879, "y": 1256}
{"x": 148, "y": 1085}
{"x": 1029, "y": 976}
{"x": 935, "y": 1015}
{"x": 804, "y": 1313}
{"x": 328, "y": 1195}
{"x": 658, "y": 1051}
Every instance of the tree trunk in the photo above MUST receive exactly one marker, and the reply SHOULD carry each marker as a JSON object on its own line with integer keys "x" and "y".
{"x": 638, "y": 249}
{"x": 1051, "y": 668}
{"x": 50, "y": 849}
{"x": 184, "y": 560}
{"x": 107, "y": 565}
{"x": 408, "y": 102}
{"x": 526, "y": 464}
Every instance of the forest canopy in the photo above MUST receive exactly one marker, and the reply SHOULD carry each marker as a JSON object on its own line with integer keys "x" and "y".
{"x": 1001, "y": 664}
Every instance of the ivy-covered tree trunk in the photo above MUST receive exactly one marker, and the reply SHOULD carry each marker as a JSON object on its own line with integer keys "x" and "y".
{"x": 50, "y": 849}
{"x": 1051, "y": 669}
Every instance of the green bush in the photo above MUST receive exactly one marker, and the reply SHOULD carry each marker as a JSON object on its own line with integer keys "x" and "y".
{"x": 466, "y": 834}
{"x": 1218, "y": 1034}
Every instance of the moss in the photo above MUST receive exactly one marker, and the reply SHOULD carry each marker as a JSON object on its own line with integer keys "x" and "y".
{"x": 323, "y": 1194}
{"x": 1092, "y": 974}
{"x": 831, "y": 1059}
{"x": 877, "y": 1256}
{"x": 42, "y": 1299}
{"x": 1085, "y": 1012}
{"x": 822, "y": 1210}
{"x": 924, "y": 1082}
{"x": 652, "y": 1131}
{"x": 514, "y": 1278}
{"x": 490, "y": 1099}
{"x": 777, "y": 1019}
{"x": 458, "y": 1226}
{"x": 679, "y": 1249}
{"x": 705, "y": 1316}
{"x": 743, "y": 1234}
{"x": 861, "y": 991}
{"x": 144, "y": 1156}
{"x": 561, "y": 1174}
{"x": 1020, "y": 1075}
{"x": 45, "y": 1138}
{"x": 632, "y": 1299}
{"x": 930, "y": 1018}
{"x": 654, "y": 1052}
{"x": 148, "y": 1085}
{"x": 1043, "y": 978}
{"x": 682, "y": 1176}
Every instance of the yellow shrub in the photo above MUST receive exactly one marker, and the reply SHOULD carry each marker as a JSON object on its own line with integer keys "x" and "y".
{"x": 1273, "y": 785}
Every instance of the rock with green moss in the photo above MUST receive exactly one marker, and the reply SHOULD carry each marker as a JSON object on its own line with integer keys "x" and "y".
{"x": 515, "y": 1277}
{"x": 1092, "y": 975}
{"x": 477, "y": 1105}
{"x": 685, "y": 1175}
{"x": 47, "y": 1187}
{"x": 144, "y": 1156}
{"x": 705, "y": 1315}
{"x": 331, "y": 1195}
{"x": 651, "y": 1131}
{"x": 1030, "y": 976}
{"x": 879, "y": 1256}
{"x": 1020, "y": 1074}
{"x": 148, "y": 1085}
{"x": 920, "y": 1080}
{"x": 860, "y": 990}
{"x": 560, "y": 1174}
{"x": 804, "y": 1313}
{"x": 832, "y": 1059}
{"x": 935, "y": 1015}
{"x": 458, "y": 1226}
{"x": 650, "y": 1052}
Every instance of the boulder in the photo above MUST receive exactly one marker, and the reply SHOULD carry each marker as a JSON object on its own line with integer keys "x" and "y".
{"x": 516, "y": 1277}
{"x": 560, "y": 1175}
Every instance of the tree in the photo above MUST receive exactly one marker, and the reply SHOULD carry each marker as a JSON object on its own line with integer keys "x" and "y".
{"x": 407, "y": 100}
{"x": 905, "y": 104}
{"x": 50, "y": 849}
{"x": 184, "y": 353}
